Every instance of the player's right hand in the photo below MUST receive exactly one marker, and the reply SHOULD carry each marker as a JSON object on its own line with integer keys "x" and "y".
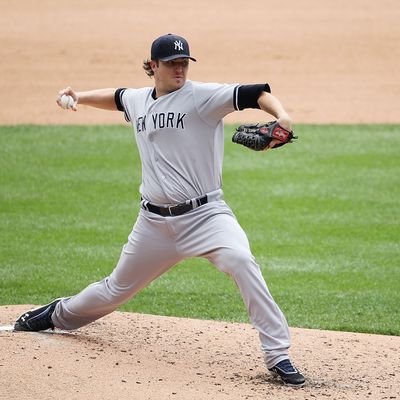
{"x": 69, "y": 92}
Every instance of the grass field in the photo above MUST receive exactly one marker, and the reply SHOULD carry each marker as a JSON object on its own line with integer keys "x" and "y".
{"x": 322, "y": 217}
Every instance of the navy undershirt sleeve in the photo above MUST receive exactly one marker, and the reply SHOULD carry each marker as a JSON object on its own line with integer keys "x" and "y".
{"x": 247, "y": 95}
{"x": 117, "y": 99}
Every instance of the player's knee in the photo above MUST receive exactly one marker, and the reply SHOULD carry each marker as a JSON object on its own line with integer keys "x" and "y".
{"x": 234, "y": 262}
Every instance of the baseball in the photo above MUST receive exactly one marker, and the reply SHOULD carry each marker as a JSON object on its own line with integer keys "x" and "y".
{"x": 67, "y": 101}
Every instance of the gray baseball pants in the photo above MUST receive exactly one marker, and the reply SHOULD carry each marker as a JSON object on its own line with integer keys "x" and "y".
{"x": 156, "y": 244}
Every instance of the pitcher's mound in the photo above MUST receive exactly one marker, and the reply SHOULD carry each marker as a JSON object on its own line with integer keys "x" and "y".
{"x": 136, "y": 356}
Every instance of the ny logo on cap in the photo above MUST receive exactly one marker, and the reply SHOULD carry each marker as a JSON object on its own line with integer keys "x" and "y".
{"x": 178, "y": 45}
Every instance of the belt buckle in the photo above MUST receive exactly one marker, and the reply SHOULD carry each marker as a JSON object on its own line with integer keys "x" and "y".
{"x": 169, "y": 210}
{"x": 178, "y": 208}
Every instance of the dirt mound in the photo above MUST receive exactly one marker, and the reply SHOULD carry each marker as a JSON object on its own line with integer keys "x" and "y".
{"x": 136, "y": 356}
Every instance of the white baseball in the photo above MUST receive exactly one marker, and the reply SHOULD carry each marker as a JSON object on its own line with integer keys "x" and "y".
{"x": 67, "y": 101}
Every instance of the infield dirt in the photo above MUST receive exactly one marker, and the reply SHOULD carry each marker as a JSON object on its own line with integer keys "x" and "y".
{"x": 334, "y": 61}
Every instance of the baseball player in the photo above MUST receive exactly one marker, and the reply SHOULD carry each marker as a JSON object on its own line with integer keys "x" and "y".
{"x": 178, "y": 126}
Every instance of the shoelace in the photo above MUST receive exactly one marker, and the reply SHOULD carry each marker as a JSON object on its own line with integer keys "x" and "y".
{"x": 286, "y": 366}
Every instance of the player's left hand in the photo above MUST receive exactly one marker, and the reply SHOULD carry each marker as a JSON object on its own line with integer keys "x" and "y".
{"x": 286, "y": 123}
{"x": 273, "y": 143}
{"x": 263, "y": 137}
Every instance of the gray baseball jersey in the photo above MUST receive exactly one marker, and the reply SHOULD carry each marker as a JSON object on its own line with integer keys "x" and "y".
{"x": 180, "y": 137}
{"x": 181, "y": 141}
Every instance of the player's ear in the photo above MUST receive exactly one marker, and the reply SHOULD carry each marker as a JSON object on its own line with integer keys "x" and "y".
{"x": 153, "y": 64}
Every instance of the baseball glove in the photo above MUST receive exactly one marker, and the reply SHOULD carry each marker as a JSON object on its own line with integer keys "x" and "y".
{"x": 258, "y": 137}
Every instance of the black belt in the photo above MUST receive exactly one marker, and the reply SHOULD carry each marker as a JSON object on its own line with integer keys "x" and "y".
{"x": 178, "y": 209}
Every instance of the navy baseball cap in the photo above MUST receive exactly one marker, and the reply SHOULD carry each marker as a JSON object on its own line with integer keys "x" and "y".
{"x": 169, "y": 47}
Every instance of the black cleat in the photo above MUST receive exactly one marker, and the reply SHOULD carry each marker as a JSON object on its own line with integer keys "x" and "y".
{"x": 288, "y": 373}
{"x": 38, "y": 319}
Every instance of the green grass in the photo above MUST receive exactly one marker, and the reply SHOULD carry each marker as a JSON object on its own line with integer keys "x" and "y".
{"x": 321, "y": 216}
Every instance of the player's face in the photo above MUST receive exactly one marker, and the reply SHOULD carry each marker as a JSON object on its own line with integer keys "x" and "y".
{"x": 170, "y": 75}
